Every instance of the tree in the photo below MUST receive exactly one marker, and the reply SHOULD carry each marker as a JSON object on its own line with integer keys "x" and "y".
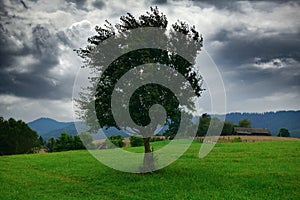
{"x": 204, "y": 122}
{"x": 77, "y": 143}
{"x": 227, "y": 128}
{"x": 16, "y": 137}
{"x": 136, "y": 141}
{"x": 283, "y": 132}
{"x": 63, "y": 143}
{"x": 66, "y": 142}
{"x": 117, "y": 140}
{"x": 244, "y": 123}
{"x": 41, "y": 141}
{"x": 147, "y": 95}
{"x": 171, "y": 132}
{"x": 50, "y": 144}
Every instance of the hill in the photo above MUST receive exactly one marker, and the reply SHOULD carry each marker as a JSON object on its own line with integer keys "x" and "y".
{"x": 256, "y": 170}
{"x": 70, "y": 129}
{"x": 45, "y": 125}
{"x": 48, "y": 128}
{"x": 271, "y": 120}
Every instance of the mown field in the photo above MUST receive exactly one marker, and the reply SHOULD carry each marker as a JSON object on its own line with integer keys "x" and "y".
{"x": 259, "y": 170}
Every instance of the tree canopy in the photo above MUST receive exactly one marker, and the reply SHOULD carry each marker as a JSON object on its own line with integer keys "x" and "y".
{"x": 147, "y": 95}
{"x": 244, "y": 123}
{"x": 283, "y": 132}
{"x": 66, "y": 142}
{"x": 128, "y": 35}
{"x": 16, "y": 137}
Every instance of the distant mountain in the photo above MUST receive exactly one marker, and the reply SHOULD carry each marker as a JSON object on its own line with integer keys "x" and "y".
{"x": 110, "y": 132}
{"x": 273, "y": 121}
{"x": 45, "y": 125}
{"x": 70, "y": 129}
{"x": 48, "y": 128}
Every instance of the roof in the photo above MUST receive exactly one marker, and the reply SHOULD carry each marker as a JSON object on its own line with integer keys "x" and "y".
{"x": 250, "y": 131}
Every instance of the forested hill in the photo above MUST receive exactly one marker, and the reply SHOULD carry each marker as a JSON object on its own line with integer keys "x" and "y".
{"x": 48, "y": 128}
{"x": 271, "y": 120}
{"x": 45, "y": 125}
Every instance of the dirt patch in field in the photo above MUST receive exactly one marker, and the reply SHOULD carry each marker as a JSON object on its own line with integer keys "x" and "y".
{"x": 100, "y": 142}
{"x": 254, "y": 138}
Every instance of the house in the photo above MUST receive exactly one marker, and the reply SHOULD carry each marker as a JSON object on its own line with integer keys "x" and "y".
{"x": 251, "y": 131}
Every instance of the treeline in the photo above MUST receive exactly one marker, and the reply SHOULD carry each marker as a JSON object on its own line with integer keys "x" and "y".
{"x": 204, "y": 122}
{"x": 66, "y": 142}
{"x": 17, "y": 138}
{"x": 274, "y": 121}
{"x": 135, "y": 141}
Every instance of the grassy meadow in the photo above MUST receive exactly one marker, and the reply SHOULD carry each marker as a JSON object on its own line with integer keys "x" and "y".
{"x": 258, "y": 170}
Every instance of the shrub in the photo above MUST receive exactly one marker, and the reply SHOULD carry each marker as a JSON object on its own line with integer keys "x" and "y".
{"x": 66, "y": 142}
{"x": 136, "y": 141}
{"x": 237, "y": 139}
{"x": 283, "y": 132}
{"x": 116, "y": 140}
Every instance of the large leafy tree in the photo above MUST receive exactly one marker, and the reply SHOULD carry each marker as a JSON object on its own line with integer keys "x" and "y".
{"x": 16, "y": 137}
{"x": 99, "y": 95}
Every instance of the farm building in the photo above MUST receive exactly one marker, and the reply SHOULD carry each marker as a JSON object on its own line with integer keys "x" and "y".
{"x": 251, "y": 131}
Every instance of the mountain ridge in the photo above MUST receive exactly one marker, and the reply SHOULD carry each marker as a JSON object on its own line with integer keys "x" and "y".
{"x": 47, "y": 127}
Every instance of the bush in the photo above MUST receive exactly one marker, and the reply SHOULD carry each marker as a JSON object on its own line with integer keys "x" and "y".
{"x": 156, "y": 139}
{"x": 283, "y": 132}
{"x": 63, "y": 143}
{"x": 116, "y": 140}
{"x": 136, "y": 141}
{"x": 66, "y": 142}
{"x": 237, "y": 139}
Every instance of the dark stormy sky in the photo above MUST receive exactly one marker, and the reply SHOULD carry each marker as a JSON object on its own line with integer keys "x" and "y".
{"x": 255, "y": 44}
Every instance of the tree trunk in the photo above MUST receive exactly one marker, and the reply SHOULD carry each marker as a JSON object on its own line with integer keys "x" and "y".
{"x": 147, "y": 145}
{"x": 148, "y": 164}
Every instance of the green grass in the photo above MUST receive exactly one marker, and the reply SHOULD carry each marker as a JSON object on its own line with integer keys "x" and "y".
{"x": 265, "y": 170}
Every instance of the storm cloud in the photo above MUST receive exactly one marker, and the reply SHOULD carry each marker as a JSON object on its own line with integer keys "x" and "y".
{"x": 255, "y": 45}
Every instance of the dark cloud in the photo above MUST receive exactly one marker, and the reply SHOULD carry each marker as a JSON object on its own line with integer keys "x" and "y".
{"x": 159, "y": 1}
{"x": 32, "y": 85}
{"x": 233, "y": 5}
{"x": 255, "y": 62}
{"x": 240, "y": 50}
{"x": 219, "y": 4}
{"x": 64, "y": 38}
{"x": 80, "y": 4}
{"x": 3, "y": 12}
{"x": 98, "y": 4}
{"x": 30, "y": 79}
{"x": 261, "y": 66}
{"x": 8, "y": 48}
